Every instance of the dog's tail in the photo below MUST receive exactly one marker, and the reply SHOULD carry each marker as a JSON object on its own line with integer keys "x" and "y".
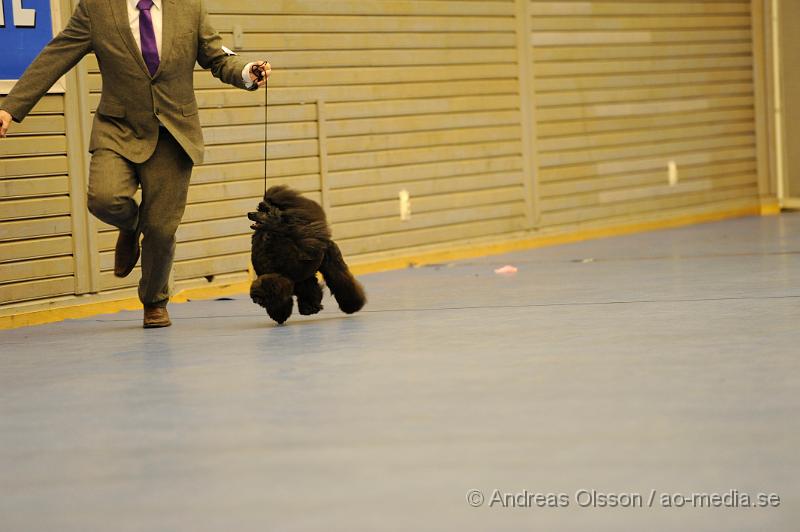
{"x": 348, "y": 292}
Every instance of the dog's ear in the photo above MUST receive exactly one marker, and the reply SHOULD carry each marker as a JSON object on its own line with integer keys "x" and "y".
{"x": 282, "y": 197}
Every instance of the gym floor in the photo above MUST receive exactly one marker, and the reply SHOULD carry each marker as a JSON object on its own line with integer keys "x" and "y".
{"x": 663, "y": 361}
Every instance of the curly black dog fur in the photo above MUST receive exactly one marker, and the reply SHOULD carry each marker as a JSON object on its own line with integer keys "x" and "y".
{"x": 291, "y": 243}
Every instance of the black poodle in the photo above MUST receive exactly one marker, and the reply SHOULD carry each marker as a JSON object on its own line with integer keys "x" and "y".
{"x": 291, "y": 243}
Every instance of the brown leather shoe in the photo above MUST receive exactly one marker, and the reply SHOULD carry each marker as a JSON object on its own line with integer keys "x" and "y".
{"x": 126, "y": 253}
{"x": 155, "y": 317}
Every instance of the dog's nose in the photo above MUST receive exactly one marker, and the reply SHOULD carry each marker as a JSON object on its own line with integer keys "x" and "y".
{"x": 252, "y": 216}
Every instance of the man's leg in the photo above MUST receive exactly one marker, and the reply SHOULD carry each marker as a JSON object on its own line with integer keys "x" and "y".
{"x": 165, "y": 184}
{"x": 112, "y": 184}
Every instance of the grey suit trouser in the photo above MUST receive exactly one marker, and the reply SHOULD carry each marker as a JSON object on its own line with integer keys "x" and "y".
{"x": 164, "y": 178}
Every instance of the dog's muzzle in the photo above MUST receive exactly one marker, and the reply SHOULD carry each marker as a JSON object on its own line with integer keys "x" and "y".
{"x": 254, "y": 217}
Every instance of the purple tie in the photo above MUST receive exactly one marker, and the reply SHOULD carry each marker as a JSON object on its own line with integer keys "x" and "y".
{"x": 148, "y": 36}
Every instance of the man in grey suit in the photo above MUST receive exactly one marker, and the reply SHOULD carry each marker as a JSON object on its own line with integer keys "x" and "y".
{"x": 146, "y": 131}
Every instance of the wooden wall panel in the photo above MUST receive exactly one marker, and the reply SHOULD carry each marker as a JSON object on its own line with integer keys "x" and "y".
{"x": 623, "y": 88}
{"x": 35, "y": 228}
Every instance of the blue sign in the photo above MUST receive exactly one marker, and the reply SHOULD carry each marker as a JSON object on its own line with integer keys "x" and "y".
{"x": 26, "y": 26}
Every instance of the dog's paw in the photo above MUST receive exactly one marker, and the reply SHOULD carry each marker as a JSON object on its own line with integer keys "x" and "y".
{"x": 306, "y": 309}
{"x": 280, "y": 313}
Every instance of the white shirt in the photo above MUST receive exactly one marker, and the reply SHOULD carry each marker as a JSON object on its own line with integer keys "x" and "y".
{"x": 157, "y": 15}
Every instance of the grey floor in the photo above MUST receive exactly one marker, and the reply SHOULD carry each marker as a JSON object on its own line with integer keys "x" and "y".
{"x": 663, "y": 361}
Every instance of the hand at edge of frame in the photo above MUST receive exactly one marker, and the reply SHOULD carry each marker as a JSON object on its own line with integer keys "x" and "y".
{"x": 5, "y": 122}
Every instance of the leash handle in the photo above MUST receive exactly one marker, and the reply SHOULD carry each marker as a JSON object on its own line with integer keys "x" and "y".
{"x": 257, "y": 72}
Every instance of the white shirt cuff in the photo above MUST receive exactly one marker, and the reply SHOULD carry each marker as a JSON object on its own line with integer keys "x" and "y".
{"x": 246, "y": 75}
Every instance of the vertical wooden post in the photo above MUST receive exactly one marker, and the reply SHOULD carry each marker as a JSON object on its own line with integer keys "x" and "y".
{"x": 322, "y": 139}
{"x": 766, "y": 189}
{"x": 527, "y": 113}
{"x": 84, "y": 228}
{"x": 776, "y": 101}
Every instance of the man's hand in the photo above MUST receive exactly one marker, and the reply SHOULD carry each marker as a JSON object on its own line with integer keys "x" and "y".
{"x": 5, "y": 122}
{"x": 259, "y": 72}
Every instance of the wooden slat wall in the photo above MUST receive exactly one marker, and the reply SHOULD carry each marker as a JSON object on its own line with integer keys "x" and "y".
{"x": 418, "y": 95}
{"x": 624, "y": 87}
{"x": 415, "y": 95}
{"x": 370, "y": 97}
{"x": 35, "y": 227}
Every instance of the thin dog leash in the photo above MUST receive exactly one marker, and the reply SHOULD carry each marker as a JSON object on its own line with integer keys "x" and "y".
{"x": 256, "y": 70}
{"x": 266, "y": 134}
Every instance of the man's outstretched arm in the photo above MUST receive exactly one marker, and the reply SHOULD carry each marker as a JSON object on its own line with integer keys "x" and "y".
{"x": 228, "y": 68}
{"x": 60, "y": 55}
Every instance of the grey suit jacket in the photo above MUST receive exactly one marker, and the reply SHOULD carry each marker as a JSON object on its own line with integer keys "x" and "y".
{"x": 133, "y": 102}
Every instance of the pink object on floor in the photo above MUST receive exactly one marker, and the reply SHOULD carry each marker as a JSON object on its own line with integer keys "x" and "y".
{"x": 507, "y": 269}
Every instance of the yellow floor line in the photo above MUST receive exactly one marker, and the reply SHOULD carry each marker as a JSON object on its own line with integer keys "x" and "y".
{"x": 43, "y": 316}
